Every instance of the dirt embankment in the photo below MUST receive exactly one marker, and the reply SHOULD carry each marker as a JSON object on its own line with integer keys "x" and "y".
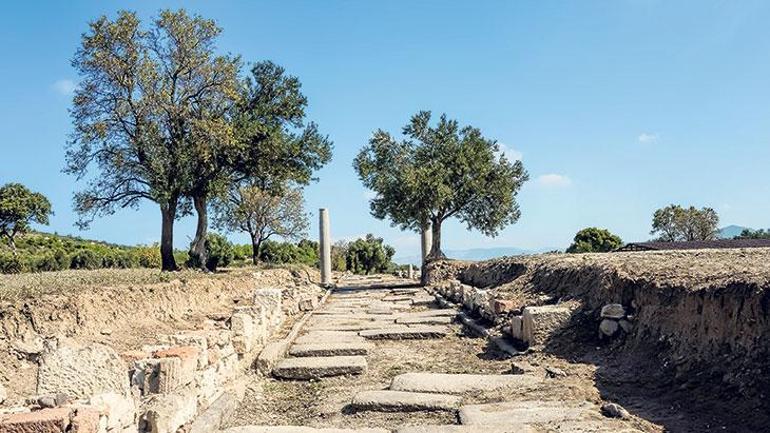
{"x": 127, "y": 316}
{"x": 701, "y": 332}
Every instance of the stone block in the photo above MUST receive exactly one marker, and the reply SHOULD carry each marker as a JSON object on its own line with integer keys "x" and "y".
{"x": 613, "y": 311}
{"x": 540, "y": 323}
{"x": 308, "y": 304}
{"x": 166, "y": 413}
{"x": 42, "y": 421}
{"x": 516, "y": 327}
{"x": 242, "y": 325}
{"x": 503, "y": 306}
{"x": 120, "y": 410}
{"x": 271, "y": 301}
{"x": 81, "y": 371}
{"x": 86, "y": 420}
{"x": 196, "y": 339}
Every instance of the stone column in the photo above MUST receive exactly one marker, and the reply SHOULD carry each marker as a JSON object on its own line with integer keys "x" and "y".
{"x": 326, "y": 249}
{"x": 427, "y": 243}
{"x": 411, "y": 272}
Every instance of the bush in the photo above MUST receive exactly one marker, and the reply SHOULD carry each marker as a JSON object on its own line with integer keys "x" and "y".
{"x": 278, "y": 253}
{"x": 219, "y": 251}
{"x": 594, "y": 240}
{"x": 120, "y": 259}
{"x": 10, "y": 264}
{"x": 86, "y": 259}
{"x": 44, "y": 263}
{"x": 147, "y": 256}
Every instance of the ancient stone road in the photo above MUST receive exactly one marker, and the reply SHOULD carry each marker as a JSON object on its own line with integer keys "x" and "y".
{"x": 381, "y": 357}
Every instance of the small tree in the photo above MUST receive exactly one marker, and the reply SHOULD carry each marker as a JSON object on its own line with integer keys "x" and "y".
{"x": 754, "y": 234}
{"x": 263, "y": 214}
{"x": 674, "y": 223}
{"x": 438, "y": 173}
{"x": 368, "y": 255}
{"x": 594, "y": 240}
{"x": 20, "y": 207}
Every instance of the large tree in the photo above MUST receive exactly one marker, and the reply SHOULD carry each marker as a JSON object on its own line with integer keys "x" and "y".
{"x": 272, "y": 147}
{"x": 263, "y": 214}
{"x": 594, "y": 240}
{"x": 19, "y": 208}
{"x": 440, "y": 172}
{"x": 148, "y": 98}
{"x": 675, "y": 223}
{"x": 368, "y": 254}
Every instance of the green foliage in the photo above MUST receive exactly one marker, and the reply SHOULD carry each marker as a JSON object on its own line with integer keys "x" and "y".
{"x": 11, "y": 264}
{"x": 308, "y": 253}
{"x": 19, "y": 208}
{"x": 86, "y": 259}
{"x": 675, "y": 223}
{"x": 754, "y": 234}
{"x": 368, "y": 255}
{"x": 440, "y": 172}
{"x": 219, "y": 251}
{"x": 339, "y": 252}
{"x": 278, "y": 253}
{"x": 594, "y": 240}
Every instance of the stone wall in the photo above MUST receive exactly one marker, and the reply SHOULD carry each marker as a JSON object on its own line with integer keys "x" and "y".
{"x": 162, "y": 385}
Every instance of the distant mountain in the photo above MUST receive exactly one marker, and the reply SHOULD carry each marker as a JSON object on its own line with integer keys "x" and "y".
{"x": 731, "y": 231}
{"x": 477, "y": 254}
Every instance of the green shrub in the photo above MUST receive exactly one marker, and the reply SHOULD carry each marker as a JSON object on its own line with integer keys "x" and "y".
{"x": 219, "y": 251}
{"x": 278, "y": 253}
{"x": 44, "y": 263}
{"x": 86, "y": 259}
{"x": 120, "y": 259}
{"x": 10, "y": 264}
{"x": 147, "y": 256}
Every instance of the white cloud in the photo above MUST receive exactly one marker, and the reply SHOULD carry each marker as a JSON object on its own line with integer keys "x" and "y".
{"x": 553, "y": 181}
{"x": 647, "y": 137}
{"x": 65, "y": 87}
{"x": 509, "y": 152}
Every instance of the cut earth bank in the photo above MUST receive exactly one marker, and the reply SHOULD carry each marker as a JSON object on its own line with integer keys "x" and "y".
{"x": 678, "y": 338}
{"x": 152, "y": 356}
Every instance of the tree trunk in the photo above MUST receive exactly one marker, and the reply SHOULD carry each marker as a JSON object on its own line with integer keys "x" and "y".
{"x": 255, "y": 244}
{"x": 198, "y": 255}
{"x": 435, "y": 250}
{"x": 168, "y": 213}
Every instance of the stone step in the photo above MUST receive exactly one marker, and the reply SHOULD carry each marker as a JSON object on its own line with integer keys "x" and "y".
{"x": 298, "y": 429}
{"x": 425, "y": 320}
{"x": 523, "y": 412}
{"x": 419, "y": 332}
{"x": 313, "y": 337}
{"x": 324, "y": 366}
{"x": 460, "y": 383}
{"x": 450, "y": 312}
{"x": 338, "y": 348}
{"x": 423, "y": 300}
{"x": 400, "y": 401}
{"x": 523, "y": 428}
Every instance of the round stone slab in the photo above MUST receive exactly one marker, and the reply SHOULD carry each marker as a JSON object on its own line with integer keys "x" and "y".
{"x": 316, "y": 367}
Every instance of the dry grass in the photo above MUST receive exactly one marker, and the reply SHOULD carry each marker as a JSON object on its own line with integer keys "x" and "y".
{"x": 20, "y": 286}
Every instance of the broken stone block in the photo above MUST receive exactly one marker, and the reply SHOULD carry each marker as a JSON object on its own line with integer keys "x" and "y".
{"x": 540, "y": 323}
{"x": 120, "y": 410}
{"x": 81, "y": 371}
{"x": 516, "y": 327}
{"x": 609, "y": 327}
{"x": 197, "y": 339}
{"x": 242, "y": 326}
{"x": 503, "y": 306}
{"x": 169, "y": 370}
{"x": 308, "y": 304}
{"x": 614, "y": 410}
{"x": 41, "y": 421}
{"x": 166, "y": 413}
{"x": 271, "y": 301}
{"x": 86, "y": 420}
{"x": 613, "y": 311}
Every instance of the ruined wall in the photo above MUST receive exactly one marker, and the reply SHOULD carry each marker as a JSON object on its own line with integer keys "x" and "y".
{"x": 141, "y": 358}
{"x": 702, "y": 313}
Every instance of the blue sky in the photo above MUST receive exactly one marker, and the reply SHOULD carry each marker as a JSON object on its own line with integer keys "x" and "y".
{"x": 616, "y": 108}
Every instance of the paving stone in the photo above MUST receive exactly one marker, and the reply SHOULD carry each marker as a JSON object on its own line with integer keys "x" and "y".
{"x": 523, "y": 412}
{"x": 460, "y": 383}
{"x": 425, "y": 320}
{"x": 297, "y": 429}
{"x": 324, "y": 366}
{"x": 339, "y": 348}
{"x": 521, "y": 428}
{"x": 423, "y": 300}
{"x": 406, "y": 333}
{"x": 314, "y": 337}
{"x": 605, "y": 426}
{"x": 41, "y": 421}
{"x": 449, "y": 312}
{"x": 402, "y": 401}
{"x": 361, "y": 326}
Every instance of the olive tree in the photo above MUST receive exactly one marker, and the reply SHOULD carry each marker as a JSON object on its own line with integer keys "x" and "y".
{"x": 19, "y": 208}
{"x": 675, "y": 223}
{"x": 439, "y": 172}
{"x": 148, "y": 99}
{"x": 263, "y": 214}
{"x": 594, "y": 240}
